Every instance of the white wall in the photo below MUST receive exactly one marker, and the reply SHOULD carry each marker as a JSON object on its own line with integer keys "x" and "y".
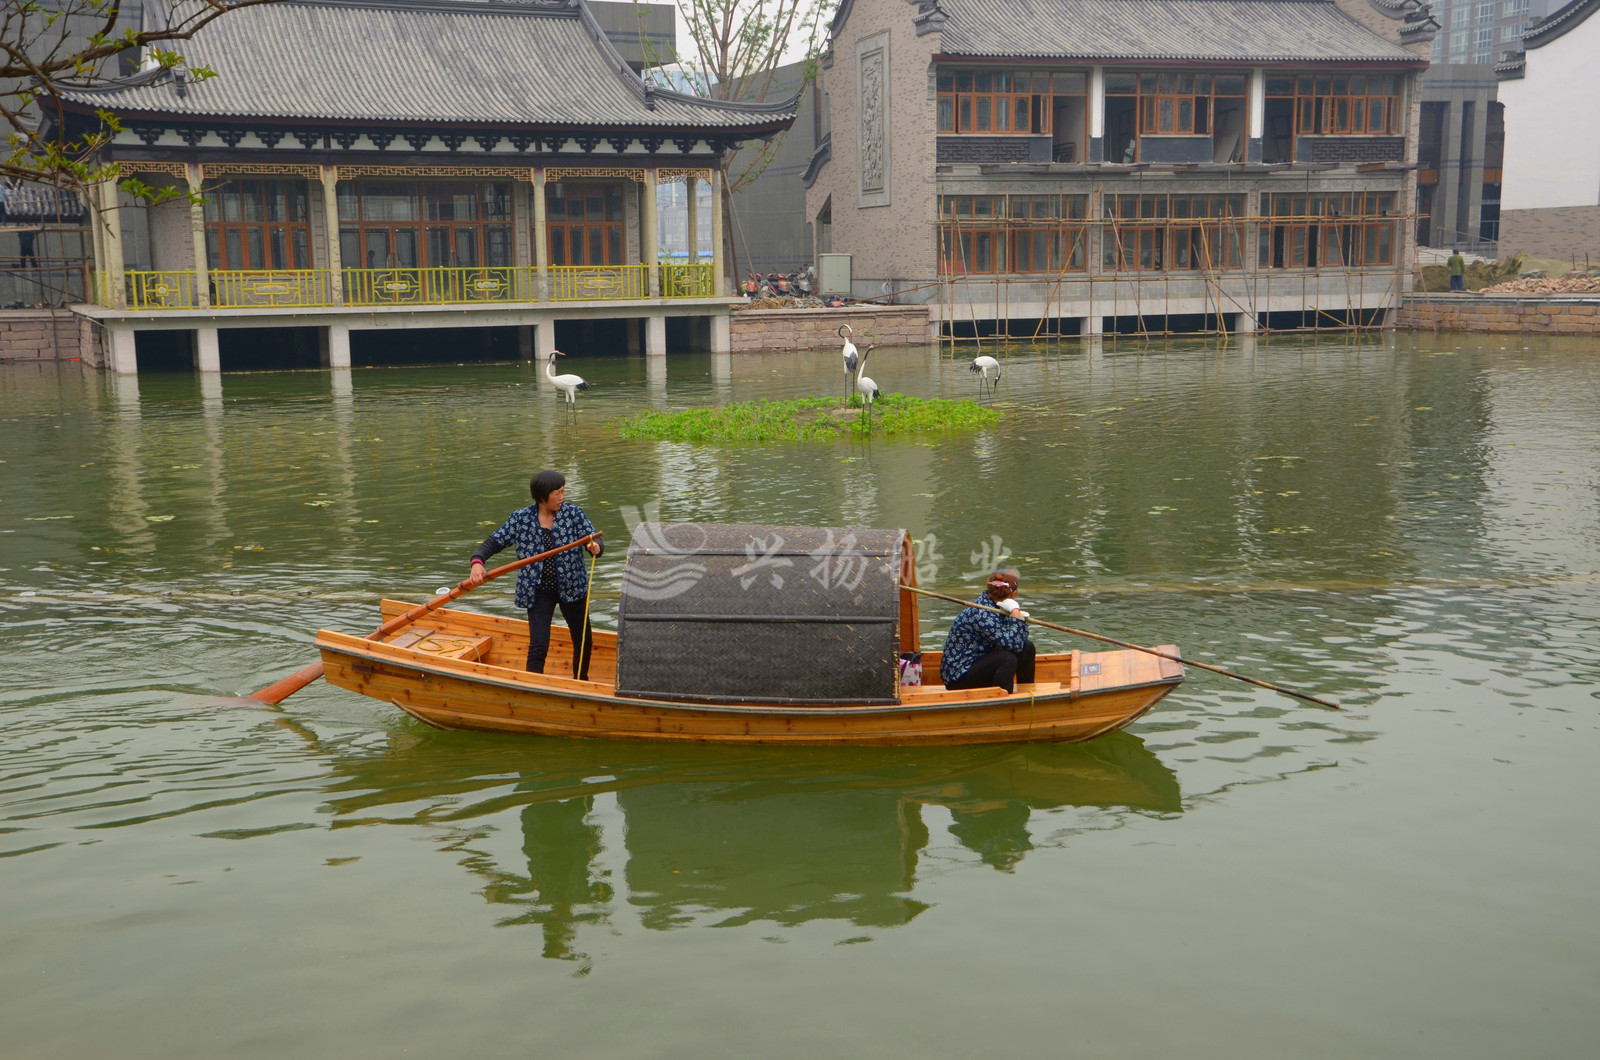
{"x": 1553, "y": 125}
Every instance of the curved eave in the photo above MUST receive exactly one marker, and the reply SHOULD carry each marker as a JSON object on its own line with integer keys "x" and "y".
{"x": 1147, "y": 61}
{"x": 773, "y": 123}
{"x": 1559, "y": 24}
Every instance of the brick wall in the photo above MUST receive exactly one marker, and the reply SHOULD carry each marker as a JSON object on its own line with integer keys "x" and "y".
{"x": 814, "y": 329}
{"x": 1540, "y": 316}
{"x": 171, "y": 240}
{"x": 894, "y": 241}
{"x": 1565, "y": 232}
{"x": 38, "y": 335}
{"x": 1357, "y": 148}
{"x": 984, "y": 149}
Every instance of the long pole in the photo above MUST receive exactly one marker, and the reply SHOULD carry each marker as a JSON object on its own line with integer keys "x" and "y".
{"x": 1124, "y": 644}
{"x": 282, "y": 689}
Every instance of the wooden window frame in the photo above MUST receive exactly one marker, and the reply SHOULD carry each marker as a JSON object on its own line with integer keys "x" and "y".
{"x": 1329, "y": 104}
{"x": 968, "y": 98}
{"x": 1166, "y": 232}
{"x": 985, "y": 239}
{"x": 612, "y": 233}
{"x": 1327, "y": 230}
{"x": 224, "y": 237}
{"x": 491, "y": 217}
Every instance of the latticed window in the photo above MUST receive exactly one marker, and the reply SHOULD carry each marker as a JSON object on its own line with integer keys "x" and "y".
{"x": 258, "y": 224}
{"x": 991, "y": 234}
{"x": 389, "y": 225}
{"x": 1341, "y": 104}
{"x": 585, "y": 222}
{"x": 1000, "y": 101}
{"x": 1173, "y": 232}
{"x": 1332, "y": 230}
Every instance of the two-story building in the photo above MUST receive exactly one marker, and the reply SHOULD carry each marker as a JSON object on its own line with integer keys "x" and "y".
{"x": 361, "y": 166}
{"x": 1073, "y": 166}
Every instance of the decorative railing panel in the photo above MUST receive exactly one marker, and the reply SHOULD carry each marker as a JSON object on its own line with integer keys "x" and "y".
{"x": 266, "y": 288}
{"x": 686, "y": 281}
{"x": 594, "y": 283}
{"x": 160, "y": 290}
{"x": 441, "y": 285}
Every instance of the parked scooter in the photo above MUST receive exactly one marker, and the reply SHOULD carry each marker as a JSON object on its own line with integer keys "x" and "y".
{"x": 752, "y": 286}
{"x": 780, "y": 284}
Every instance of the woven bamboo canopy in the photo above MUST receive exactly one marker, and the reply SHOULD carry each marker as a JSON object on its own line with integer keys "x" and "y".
{"x": 760, "y": 614}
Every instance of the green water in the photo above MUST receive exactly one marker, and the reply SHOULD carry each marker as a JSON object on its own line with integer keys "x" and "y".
{"x": 1408, "y": 524}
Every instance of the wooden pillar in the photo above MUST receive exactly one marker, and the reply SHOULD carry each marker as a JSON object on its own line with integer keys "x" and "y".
{"x": 97, "y": 219}
{"x": 650, "y": 238}
{"x": 330, "y": 221}
{"x": 692, "y": 240}
{"x": 111, "y": 211}
{"x": 719, "y": 254}
{"x": 541, "y": 236}
{"x": 202, "y": 265}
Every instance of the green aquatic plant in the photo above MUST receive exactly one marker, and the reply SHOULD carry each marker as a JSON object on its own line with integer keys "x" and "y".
{"x": 810, "y": 419}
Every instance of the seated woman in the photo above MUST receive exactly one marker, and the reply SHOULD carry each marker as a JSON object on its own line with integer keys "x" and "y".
{"x": 985, "y": 649}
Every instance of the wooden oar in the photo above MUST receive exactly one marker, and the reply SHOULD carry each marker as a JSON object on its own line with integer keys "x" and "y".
{"x": 1124, "y": 644}
{"x": 282, "y": 689}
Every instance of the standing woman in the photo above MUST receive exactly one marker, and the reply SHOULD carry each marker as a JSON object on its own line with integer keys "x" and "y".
{"x": 562, "y": 580}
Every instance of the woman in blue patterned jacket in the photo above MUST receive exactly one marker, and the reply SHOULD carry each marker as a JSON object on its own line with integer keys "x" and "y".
{"x": 985, "y": 649}
{"x": 563, "y": 581}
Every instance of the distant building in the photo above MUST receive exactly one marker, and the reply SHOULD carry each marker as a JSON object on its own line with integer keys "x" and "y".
{"x": 1551, "y": 203}
{"x": 364, "y": 166}
{"x": 1137, "y": 165}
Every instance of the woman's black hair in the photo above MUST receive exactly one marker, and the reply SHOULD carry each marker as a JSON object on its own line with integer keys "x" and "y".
{"x": 545, "y": 483}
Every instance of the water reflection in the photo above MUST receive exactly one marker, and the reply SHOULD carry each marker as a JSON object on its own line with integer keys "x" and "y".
{"x": 724, "y": 837}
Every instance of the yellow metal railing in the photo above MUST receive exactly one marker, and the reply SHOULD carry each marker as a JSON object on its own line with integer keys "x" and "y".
{"x": 160, "y": 290}
{"x": 686, "y": 281}
{"x": 440, "y": 285}
{"x": 593, "y": 283}
{"x": 245, "y": 288}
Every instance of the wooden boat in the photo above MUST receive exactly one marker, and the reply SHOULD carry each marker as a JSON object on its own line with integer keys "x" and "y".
{"x": 750, "y": 634}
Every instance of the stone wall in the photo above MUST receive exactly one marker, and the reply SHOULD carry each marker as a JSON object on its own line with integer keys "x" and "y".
{"x": 1564, "y": 232}
{"x": 757, "y": 330}
{"x": 38, "y": 335}
{"x": 1574, "y": 315}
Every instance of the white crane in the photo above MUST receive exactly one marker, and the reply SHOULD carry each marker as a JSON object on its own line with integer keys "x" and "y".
{"x": 569, "y": 383}
{"x": 853, "y": 358}
{"x": 865, "y": 386}
{"x": 982, "y": 365}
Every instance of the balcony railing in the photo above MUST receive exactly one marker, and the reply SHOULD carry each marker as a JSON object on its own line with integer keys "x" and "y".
{"x": 313, "y": 288}
{"x": 594, "y": 283}
{"x": 686, "y": 281}
{"x": 258, "y": 288}
{"x": 161, "y": 290}
{"x": 441, "y": 285}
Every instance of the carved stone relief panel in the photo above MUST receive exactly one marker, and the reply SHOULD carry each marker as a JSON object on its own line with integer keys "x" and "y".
{"x": 872, "y": 119}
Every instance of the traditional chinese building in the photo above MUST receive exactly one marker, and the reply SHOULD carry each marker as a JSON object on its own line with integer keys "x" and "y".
{"x": 359, "y": 166}
{"x": 1551, "y": 204}
{"x": 1074, "y": 166}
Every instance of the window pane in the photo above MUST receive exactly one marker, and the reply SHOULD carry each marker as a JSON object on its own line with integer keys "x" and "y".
{"x": 947, "y": 114}
{"x": 257, "y": 257}
{"x": 597, "y": 247}
{"x": 1185, "y": 114}
{"x": 558, "y": 246}
{"x": 614, "y": 245}
{"x": 984, "y": 106}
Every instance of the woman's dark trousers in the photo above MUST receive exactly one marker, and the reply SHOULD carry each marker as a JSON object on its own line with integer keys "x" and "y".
{"x": 999, "y": 668}
{"x": 539, "y": 615}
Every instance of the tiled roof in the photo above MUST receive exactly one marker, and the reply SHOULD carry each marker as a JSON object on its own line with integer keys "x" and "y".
{"x": 1200, "y": 30}
{"x": 1559, "y": 22}
{"x": 480, "y": 63}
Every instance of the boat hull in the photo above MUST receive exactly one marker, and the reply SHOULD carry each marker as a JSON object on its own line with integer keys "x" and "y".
{"x": 1090, "y": 694}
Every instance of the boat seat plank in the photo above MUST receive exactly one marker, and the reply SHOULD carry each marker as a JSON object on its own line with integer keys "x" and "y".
{"x": 441, "y": 645}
